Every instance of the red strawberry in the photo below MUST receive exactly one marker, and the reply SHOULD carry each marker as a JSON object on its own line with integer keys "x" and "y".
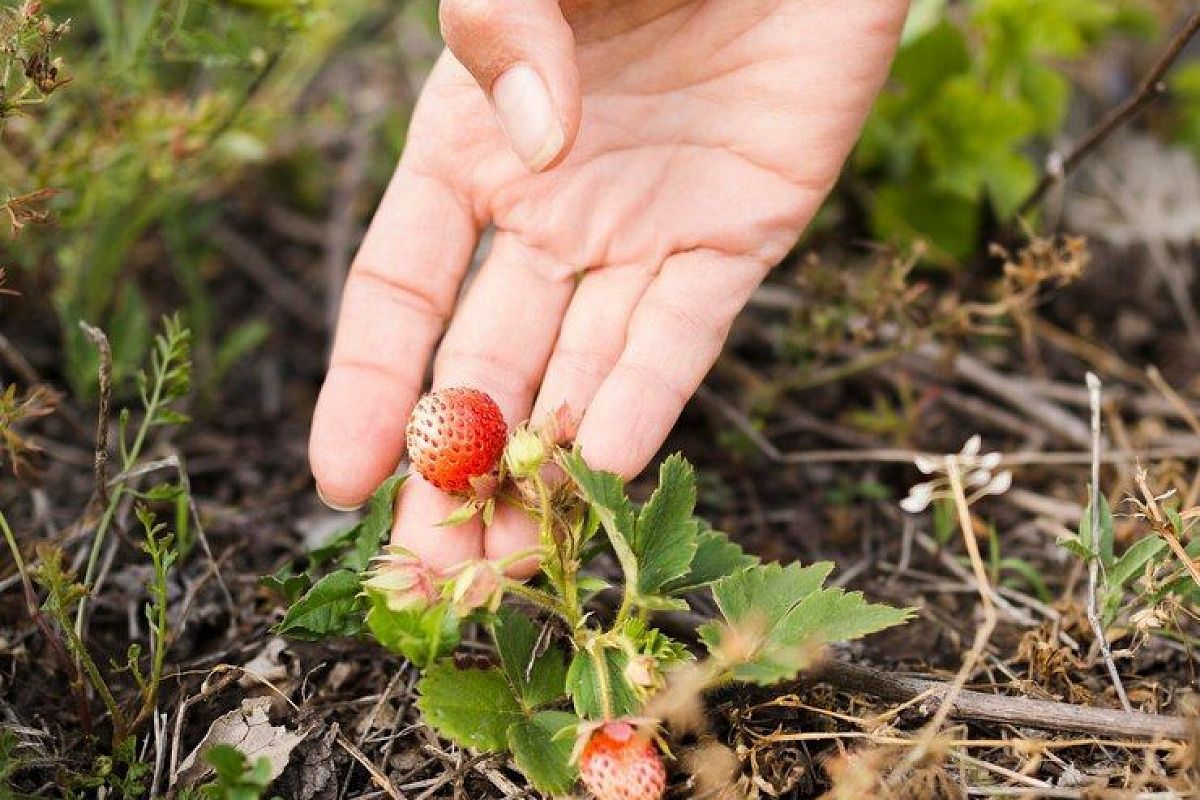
{"x": 621, "y": 762}
{"x": 455, "y": 435}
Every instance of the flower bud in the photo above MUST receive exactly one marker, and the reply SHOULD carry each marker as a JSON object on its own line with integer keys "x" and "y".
{"x": 477, "y": 585}
{"x": 403, "y": 580}
{"x": 643, "y": 674}
{"x": 525, "y": 453}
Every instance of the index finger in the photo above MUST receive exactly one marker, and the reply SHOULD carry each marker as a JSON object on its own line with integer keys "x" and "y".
{"x": 398, "y": 296}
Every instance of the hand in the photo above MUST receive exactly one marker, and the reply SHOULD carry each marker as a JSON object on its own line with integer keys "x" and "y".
{"x": 653, "y": 160}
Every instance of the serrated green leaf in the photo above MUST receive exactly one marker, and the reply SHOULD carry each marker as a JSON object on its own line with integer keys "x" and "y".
{"x": 606, "y": 494}
{"x": 162, "y": 492}
{"x": 716, "y": 557}
{"x": 422, "y": 635}
{"x": 664, "y": 539}
{"x": 835, "y": 615}
{"x": 543, "y": 753}
{"x": 376, "y": 527}
{"x": 472, "y": 707}
{"x": 768, "y": 592}
{"x": 287, "y": 584}
{"x": 539, "y": 679}
{"x": 789, "y": 612}
{"x": 358, "y": 544}
{"x": 588, "y": 677}
{"x": 332, "y": 607}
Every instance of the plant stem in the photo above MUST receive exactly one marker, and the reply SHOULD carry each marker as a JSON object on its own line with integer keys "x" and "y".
{"x": 1093, "y": 612}
{"x": 540, "y": 599}
{"x": 54, "y": 642}
{"x": 158, "y": 635}
{"x": 79, "y": 650}
{"x": 567, "y": 563}
{"x": 131, "y": 457}
{"x": 600, "y": 662}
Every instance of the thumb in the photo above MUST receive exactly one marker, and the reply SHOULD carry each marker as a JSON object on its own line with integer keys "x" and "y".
{"x": 522, "y": 54}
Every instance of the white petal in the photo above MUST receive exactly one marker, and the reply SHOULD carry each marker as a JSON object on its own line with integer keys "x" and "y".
{"x": 926, "y": 464}
{"x": 918, "y": 498}
{"x": 990, "y": 460}
{"x": 971, "y": 448}
{"x": 978, "y": 477}
{"x": 1000, "y": 484}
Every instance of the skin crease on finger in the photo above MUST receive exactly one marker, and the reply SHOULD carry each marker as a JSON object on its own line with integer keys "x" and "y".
{"x": 712, "y": 128}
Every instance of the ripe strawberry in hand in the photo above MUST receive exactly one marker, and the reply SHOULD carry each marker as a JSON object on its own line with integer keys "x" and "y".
{"x": 620, "y": 762}
{"x": 455, "y": 435}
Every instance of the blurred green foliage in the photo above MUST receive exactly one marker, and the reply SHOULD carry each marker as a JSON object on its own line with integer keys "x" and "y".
{"x": 160, "y": 107}
{"x": 167, "y": 103}
{"x": 1185, "y": 84}
{"x": 976, "y": 86}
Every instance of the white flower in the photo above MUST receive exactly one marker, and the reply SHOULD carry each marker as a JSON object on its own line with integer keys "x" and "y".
{"x": 976, "y": 472}
{"x": 919, "y": 498}
{"x": 926, "y": 464}
{"x": 971, "y": 448}
{"x": 1000, "y": 484}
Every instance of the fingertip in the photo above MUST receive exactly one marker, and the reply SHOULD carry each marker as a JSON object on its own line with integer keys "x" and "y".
{"x": 356, "y": 440}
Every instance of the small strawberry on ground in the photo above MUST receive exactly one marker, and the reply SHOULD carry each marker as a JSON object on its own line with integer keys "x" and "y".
{"x": 455, "y": 435}
{"x": 619, "y": 760}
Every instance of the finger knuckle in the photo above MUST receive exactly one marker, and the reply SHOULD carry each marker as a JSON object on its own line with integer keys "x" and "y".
{"x": 463, "y": 21}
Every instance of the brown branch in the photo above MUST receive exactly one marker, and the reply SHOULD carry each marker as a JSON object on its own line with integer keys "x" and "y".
{"x": 981, "y": 706}
{"x": 1150, "y": 87}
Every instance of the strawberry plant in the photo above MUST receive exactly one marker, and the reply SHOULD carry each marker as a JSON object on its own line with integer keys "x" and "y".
{"x": 570, "y": 695}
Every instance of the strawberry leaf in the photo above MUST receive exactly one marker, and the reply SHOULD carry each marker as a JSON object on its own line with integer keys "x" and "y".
{"x": 785, "y": 614}
{"x": 716, "y": 557}
{"x": 539, "y": 678}
{"x": 332, "y": 607}
{"x": 595, "y": 674}
{"x": 472, "y": 707}
{"x": 605, "y": 493}
{"x": 543, "y": 751}
{"x": 422, "y": 635}
{"x": 356, "y": 546}
{"x": 664, "y": 538}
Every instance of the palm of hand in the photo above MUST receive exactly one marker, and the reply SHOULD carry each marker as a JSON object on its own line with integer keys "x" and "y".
{"x": 699, "y": 132}
{"x": 710, "y": 135}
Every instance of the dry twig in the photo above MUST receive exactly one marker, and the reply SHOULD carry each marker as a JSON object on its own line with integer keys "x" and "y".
{"x": 1093, "y": 612}
{"x": 100, "y": 466}
{"x": 968, "y": 704}
{"x": 1059, "y": 166}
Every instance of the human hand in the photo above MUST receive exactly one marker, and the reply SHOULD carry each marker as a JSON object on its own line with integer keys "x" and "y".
{"x": 670, "y": 153}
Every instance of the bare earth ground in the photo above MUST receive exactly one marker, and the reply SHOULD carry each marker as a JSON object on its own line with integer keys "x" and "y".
{"x": 798, "y": 462}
